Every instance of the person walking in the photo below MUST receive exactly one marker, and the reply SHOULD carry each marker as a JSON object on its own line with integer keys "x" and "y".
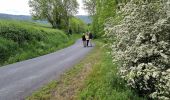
{"x": 90, "y": 38}
{"x": 70, "y": 32}
{"x": 84, "y": 40}
{"x": 87, "y": 39}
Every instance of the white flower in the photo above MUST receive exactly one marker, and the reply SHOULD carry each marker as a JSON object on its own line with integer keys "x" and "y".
{"x": 143, "y": 48}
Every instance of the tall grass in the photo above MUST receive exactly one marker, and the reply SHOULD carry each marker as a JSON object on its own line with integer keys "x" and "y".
{"x": 23, "y": 40}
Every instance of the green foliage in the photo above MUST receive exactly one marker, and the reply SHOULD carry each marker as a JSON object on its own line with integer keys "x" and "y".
{"x": 44, "y": 93}
{"x": 6, "y": 48}
{"x": 90, "y": 6}
{"x": 23, "y": 40}
{"x": 18, "y": 32}
{"x": 104, "y": 9}
{"x": 77, "y": 25}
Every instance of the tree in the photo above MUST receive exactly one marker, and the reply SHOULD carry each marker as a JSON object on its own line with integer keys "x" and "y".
{"x": 77, "y": 25}
{"x": 70, "y": 9}
{"x": 90, "y": 6}
{"x": 100, "y": 11}
{"x": 55, "y": 11}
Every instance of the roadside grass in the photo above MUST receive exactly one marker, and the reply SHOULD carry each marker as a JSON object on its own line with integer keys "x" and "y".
{"x": 103, "y": 83}
{"x": 94, "y": 78}
{"x": 36, "y": 49}
{"x": 20, "y": 40}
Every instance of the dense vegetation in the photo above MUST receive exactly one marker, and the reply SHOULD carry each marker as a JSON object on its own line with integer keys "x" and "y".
{"x": 138, "y": 34}
{"x": 23, "y": 40}
{"x": 77, "y": 25}
{"x": 100, "y": 10}
{"x": 142, "y": 47}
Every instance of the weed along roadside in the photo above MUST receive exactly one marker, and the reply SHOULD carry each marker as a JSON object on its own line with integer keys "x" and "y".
{"x": 94, "y": 78}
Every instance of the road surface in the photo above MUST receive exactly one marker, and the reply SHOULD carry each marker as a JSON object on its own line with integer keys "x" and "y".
{"x": 20, "y": 79}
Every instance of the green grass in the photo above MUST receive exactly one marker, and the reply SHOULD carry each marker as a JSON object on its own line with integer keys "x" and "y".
{"x": 21, "y": 40}
{"x": 102, "y": 83}
{"x": 44, "y": 93}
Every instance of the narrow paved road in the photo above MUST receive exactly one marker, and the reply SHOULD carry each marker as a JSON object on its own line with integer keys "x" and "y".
{"x": 21, "y": 79}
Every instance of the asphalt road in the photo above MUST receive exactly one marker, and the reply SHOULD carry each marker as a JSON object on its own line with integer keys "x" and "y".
{"x": 20, "y": 79}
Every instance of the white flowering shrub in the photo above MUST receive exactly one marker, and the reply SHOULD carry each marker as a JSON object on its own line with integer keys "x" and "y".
{"x": 141, "y": 45}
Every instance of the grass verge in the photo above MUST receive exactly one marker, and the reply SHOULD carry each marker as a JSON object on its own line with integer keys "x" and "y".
{"x": 103, "y": 83}
{"x": 94, "y": 78}
{"x": 21, "y": 40}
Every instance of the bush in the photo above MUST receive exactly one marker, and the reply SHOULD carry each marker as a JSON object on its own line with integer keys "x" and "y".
{"x": 19, "y": 32}
{"x": 6, "y": 49}
{"x": 142, "y": 47}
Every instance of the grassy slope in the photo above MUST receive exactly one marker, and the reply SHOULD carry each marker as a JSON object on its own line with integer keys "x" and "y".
{"x": 94, "y": 78}
{"x": 24, "y": 40}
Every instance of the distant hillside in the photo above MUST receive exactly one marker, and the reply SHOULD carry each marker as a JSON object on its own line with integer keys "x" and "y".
{"x": 16, "y": 17}
{"x": 86, "y": 19}
{"x": 19, "y": 17}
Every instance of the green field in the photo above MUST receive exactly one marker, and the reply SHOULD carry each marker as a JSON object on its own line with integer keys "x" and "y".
{"x": 21, "y": 40}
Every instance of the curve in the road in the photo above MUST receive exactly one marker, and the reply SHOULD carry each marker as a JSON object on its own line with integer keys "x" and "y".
{"x": 21, "y": 79}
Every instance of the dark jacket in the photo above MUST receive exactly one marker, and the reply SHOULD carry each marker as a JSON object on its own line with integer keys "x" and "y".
{"x": 90, "y": 36}
{"x": 83, "y": 38}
